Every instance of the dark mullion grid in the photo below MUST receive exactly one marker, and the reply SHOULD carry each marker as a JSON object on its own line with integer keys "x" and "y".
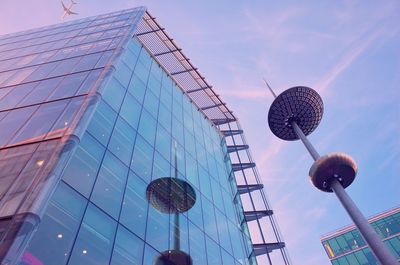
{"x": 63, "y": 32}
{"x": 47, "y": 77}
{"x": 68, "y": 38}
{"x": 64, "y": 47}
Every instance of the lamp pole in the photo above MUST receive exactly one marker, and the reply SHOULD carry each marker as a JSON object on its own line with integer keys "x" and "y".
{"x": 296, "y": 113}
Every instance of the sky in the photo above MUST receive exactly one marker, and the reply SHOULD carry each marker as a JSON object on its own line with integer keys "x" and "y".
{"x": 348, "y": 51}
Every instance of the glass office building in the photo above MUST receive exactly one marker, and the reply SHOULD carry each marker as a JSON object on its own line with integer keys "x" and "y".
{"x": 91, "y": 113}
{"x": 347, "y": 247}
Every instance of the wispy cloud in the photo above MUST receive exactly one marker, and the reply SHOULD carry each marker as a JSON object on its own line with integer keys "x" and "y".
{"x": 347, "y": 59}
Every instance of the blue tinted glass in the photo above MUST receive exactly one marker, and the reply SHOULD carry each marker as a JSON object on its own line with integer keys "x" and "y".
{"x": 110, "y": 183}
{"x": 196, "y": 213}
{"x": 142, "y": 159}
{"x": 123, "y": 74}
{"x": 177, "y": 131}
{"x": 130, "y": 110}
{"x": 130, "y": 59}
{"x": 164, "y": 117}
{"x": 163, "y": 142}
{"x": 147, "y": 127}
{"x": 122, "y": 140}
{"x": 114, "y": 93}
{"x": 205, "y": 184}
{"x": 210, "y": 225}
{"x": 226, "y": 258}
{"x": 157, "y": 231}
{"x": 134, "y": 206}
{"x": 128, "y": 248}
{"x": 154, "y": 84}
{"x": 223, "y": 232}
{"x": 197, "y": 245}
{"x": 151, "y": 104}
{"x": 82, "y": 169}
{"x": 161, "y": 167}
{"x": 137, "y": 88}
{"x": 57, "y": 228}
{"x": 95, "y": 239}
{"x": 166, "y": 99}
{"x": 150, "y": 255}
{"x": 102, "y": 122}
{"x": 141, "y": 71}
{"x": 213, "y": 252}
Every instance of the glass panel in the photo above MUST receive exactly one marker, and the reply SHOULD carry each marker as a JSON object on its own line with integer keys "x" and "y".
{"x": 102, "y": 122}
{"x": 12, "y": 122}
{"x": 123, "y": 74}
{"x": 210, "y": 225}
{"x": 128, "y": 249}
{"x": 142, "y": 159}
{"x": 157, "y": 232}
{"x": 134, "y": 206}
{"x": 122, "y": 141}
{"x": 197, "y": 245}
{"x": 15, "y": 95}
{"x": 110, "y": 183}
{"x": 213, "y": 252}
{"x": 69, "y": 86}
{"x": 57, "y": 228}
{"x": 137, "y": 88}
{"x": 95, "y": 239}
{"x": 82, "y": 169}
{"x": 114, "y": 94}
{"x": 41, "y": 92}
{"x": 41, "y": 122}
{"x": 151, "y": 104}
{"x": 150, "y": 255}
{"x": 147, "y": 127}
{"x": 130, "y": 110}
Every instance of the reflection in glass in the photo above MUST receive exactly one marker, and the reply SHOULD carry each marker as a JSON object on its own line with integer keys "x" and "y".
{"x": 57, "y": 229}
{"x": 95, "y": 239}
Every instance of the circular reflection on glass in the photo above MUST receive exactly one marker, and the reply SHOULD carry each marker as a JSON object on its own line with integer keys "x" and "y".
{"x": 173, "y": 257}
{"x": 171, "y": 195}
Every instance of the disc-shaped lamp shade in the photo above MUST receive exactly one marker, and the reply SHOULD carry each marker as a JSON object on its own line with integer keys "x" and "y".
{"x": 336, "y": 165}
{"x": 300, "y": 104}
{"x": 171, "y": 195}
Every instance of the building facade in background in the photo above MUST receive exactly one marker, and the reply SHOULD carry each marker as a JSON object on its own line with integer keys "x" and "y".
{"x": 347, "y": 247}
{"x": 90, "y": 112}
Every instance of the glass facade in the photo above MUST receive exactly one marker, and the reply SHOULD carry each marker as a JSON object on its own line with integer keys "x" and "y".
{"x": 89, "y": 119}
{"x": 347, "y": 247}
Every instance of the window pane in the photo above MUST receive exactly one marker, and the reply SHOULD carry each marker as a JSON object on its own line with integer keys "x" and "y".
{"x": 12, "y": 122}
{"x": 81, "y": 171}
{"x": 128, "y": 249}
{"x": 197, "y": 245}
{"x": 113, "y": 94}
{"x": 41, "y": 122}
{"x": 41, "y": 92}
{"x": 95, "y": 239}
{"x": 102, "y": 122}
{"x": 122, "y": 141}
{"x": 15, "y": 95}
{"x": 147, "y": 127}
{"x": 58, "y": 228}
{"x": 110, "y": 183}
{"x": 157, "y": 232}
{"x": 134, "y": 206}
{"x": 142, "y": 159}
{"x": 130, "y": 110}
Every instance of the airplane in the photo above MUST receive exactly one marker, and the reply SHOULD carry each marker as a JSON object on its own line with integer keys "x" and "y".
{"x": 67, "y": 10}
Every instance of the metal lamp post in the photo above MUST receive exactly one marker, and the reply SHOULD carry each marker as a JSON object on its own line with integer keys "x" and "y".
{"x": 296, "y": 113}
